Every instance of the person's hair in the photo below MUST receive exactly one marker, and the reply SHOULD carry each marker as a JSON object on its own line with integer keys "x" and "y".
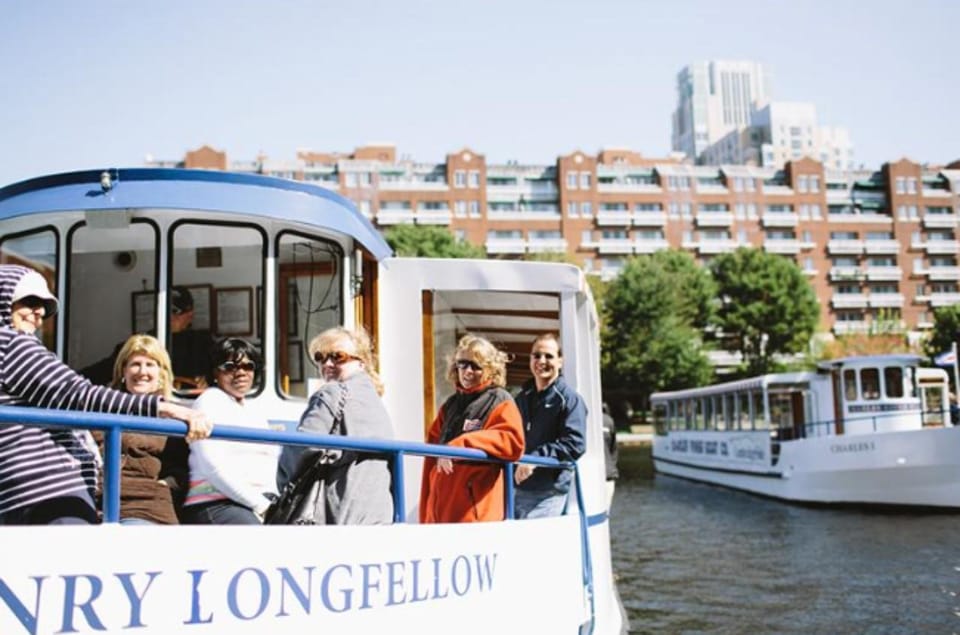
{"x": 152, "y": 348}
{"x": 362, "y": 345}
{"x": 233, "y": 349}
{"x": 492, "y": 360}
{"x": 546, "y": 337}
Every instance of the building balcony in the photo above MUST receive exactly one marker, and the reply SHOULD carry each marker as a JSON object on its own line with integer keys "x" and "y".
{"x": 714, "y": 219}
{"x": 650, "y": 245}
{"x": 845, "y": 246}
{"x": 779, "y": 219}
{"x": 881, "y": 246}
{"x": 526, "y": 215}
{"x": 712, "y": 189}
{"x": 527, "y": 192}
{"x": 629, "y": 188}
{"x": 506, "y": 246}
{"x": 781, "y": 245}
{"x": 941, "y": 220}
{"x": 716, "y": 246}
{"x": 849, "y": 300}
{"x": 942, "y": 273}
{"x": 395, "y": 216}
{"x": 545, "y": 245}
{"x": 886, "y": 300}
{"x": 884, "y": 273}
{"x": 851, "y": 326}
{"x": 433, "y": 216}
{"x": 778, "y": 190}
{"x": 935, "y": 246}
{"x": 412, "y": 185}
{"x": 936, "y": 193}
{"x": 839, "y": 197}
{"x": 614, "y": 218}
{"x": 615, "y": 246}
{"x": 938, "y": 299}
{"x": 649, "y": 219}
{"x": 839, "y": 274}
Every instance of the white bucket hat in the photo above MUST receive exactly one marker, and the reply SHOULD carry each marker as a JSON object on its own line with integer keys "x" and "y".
{"x": 33, "y": 284}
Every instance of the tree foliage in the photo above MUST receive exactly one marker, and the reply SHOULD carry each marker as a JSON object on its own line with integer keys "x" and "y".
{"x": 653, "y": 312}
{"x": 946, "y": 330}
{"x": 767, "y": 306}
{"x": 429, "y": 241}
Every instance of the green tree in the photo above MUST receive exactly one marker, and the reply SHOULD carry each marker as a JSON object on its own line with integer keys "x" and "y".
{"x": 653, "y": 313}
{"x": 429, "y": 241}
{"x": 767, "y": 306}
{"x": 946, "y": 328}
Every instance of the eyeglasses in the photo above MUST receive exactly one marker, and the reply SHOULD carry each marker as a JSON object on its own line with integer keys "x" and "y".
{"x": 31, "y": 302}
{"x": 464, "y": 364}
{"x": 337, "y": 357}
{"x": 542, "y": 355}
{"x": 232, "y": 367}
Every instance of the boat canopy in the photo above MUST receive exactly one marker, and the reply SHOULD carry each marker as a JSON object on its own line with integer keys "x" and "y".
{"x": 167, "y": 188}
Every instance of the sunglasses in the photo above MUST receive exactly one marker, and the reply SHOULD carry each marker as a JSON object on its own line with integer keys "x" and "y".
{"x": 542, "y": 355}
{"x": 31, "y": 302}
{"x": 464, "y": 364}
{"x": 232, "y": 367}
{"x": 337, "y": 357}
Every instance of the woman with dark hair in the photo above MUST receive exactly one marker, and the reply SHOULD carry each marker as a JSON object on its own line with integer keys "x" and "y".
{"x": 231, "y": 482}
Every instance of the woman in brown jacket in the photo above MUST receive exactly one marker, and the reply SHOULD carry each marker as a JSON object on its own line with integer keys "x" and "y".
{"x": 481, "y": 415}
{"x": 154, "y": 472}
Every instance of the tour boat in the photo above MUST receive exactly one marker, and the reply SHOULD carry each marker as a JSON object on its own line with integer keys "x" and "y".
{"x": 867, "y": 430}
{"x": 276, "y": 262}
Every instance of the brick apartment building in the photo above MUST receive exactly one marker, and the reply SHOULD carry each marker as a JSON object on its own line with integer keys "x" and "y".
{"x": 876, "y": 245}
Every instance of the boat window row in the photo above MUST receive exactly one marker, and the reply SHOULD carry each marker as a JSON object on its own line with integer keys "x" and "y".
{"x": 753, "y": 409}
{"x": 871, "y": 384}
{"x": 113, "y": 274}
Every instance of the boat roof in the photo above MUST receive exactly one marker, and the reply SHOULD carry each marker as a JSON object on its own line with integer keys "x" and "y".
{"x": 739, "y": 385}
{"x": 206, "y": 190}
{"x": 870, "y": 360}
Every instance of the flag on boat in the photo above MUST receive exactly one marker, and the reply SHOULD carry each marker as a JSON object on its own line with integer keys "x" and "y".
{"x": 947, "y": 358}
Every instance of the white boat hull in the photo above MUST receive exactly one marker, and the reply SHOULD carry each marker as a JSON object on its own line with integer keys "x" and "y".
{"x": 907, "y": 468}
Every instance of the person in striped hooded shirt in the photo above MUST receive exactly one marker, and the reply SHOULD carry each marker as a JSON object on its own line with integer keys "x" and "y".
{"x": 47, "y": 475}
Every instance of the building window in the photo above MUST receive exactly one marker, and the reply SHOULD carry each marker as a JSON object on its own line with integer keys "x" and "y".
{"x": 814, "y": 183}
{"x": 474, "y": 209}
{"x": 752, "y": 211}
{"x": 460, "y": 178}
{"x": 586, "y": 209}
{"x": 807, "y": 236}
{"x": 584, "y": 180}
{"x": 474, "y": 179}
{"x": 808, "y": 264}
{"x": 586, "y": 237}
{"x": 460, "y": 209}
{"x": 740, "y": 211}
{"x": 802, "y": 184}
{"x": 572, "y": 180}
{"x": 815, "y": 212}
{"x": 911, "y": 185}
{"x": 350, "y": 179}
{"x": 900, "y": 185}
{"x": 572, "y": 209}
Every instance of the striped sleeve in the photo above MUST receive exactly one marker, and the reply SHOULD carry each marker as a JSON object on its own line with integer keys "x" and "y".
{"x": 34, "y": 375}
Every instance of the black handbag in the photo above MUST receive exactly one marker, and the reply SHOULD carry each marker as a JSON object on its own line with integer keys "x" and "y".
{"x": 304, "y": 494}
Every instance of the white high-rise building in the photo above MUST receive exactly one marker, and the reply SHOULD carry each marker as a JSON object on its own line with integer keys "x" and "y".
{"x": 725, "y": 115}
{"x": 716, "y": 98}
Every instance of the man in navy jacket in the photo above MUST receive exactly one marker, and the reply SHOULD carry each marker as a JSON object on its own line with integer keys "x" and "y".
{"x": 554, "y": 422}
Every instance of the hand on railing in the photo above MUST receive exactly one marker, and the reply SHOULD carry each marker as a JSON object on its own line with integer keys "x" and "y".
{"x": 444, "y": 465}
{"x": 522, "y": 472}
{"x": 199, "y": 426}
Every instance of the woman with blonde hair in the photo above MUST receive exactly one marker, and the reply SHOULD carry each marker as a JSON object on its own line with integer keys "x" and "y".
{"x": 480, "y": 415}
{"x": 356, "y": 487}
{"x": 154, "y": 473}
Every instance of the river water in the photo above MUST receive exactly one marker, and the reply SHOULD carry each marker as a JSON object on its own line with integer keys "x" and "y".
{"x": 693, "y": 558}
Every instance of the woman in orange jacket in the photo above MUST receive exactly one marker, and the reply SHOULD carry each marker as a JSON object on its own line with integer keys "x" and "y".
{"x": 481, "y": 415}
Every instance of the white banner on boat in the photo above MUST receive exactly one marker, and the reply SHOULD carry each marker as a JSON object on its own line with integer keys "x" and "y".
{"x": 468, "y": 578}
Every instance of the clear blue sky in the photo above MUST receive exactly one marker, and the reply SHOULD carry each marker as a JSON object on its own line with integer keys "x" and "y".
{"x": 96, "y": 84}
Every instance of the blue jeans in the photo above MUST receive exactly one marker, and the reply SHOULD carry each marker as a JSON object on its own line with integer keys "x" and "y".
{"x": 538, "y": 504}
{"x": 224, "y": 512}
{"x": 136, "y": 521}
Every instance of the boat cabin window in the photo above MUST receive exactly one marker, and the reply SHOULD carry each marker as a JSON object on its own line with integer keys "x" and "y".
{"x": 310, "y": 292}
{"x": 850, "y": 384}
{"x": 893, "y": 381}
{"x": 870, "y": 383}
{"x": 38, "y": 250}
{"x": 758, "y": 411}
{"x": 226, "y": 260}
{"x": 112, "y": 274}
{"x": 745, "y": 421}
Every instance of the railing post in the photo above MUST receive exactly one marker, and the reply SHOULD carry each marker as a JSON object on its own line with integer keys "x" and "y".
{"x": 399, "y": 509}
{"x": 508, "y": 491}
{"x": 111, "y": 479}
